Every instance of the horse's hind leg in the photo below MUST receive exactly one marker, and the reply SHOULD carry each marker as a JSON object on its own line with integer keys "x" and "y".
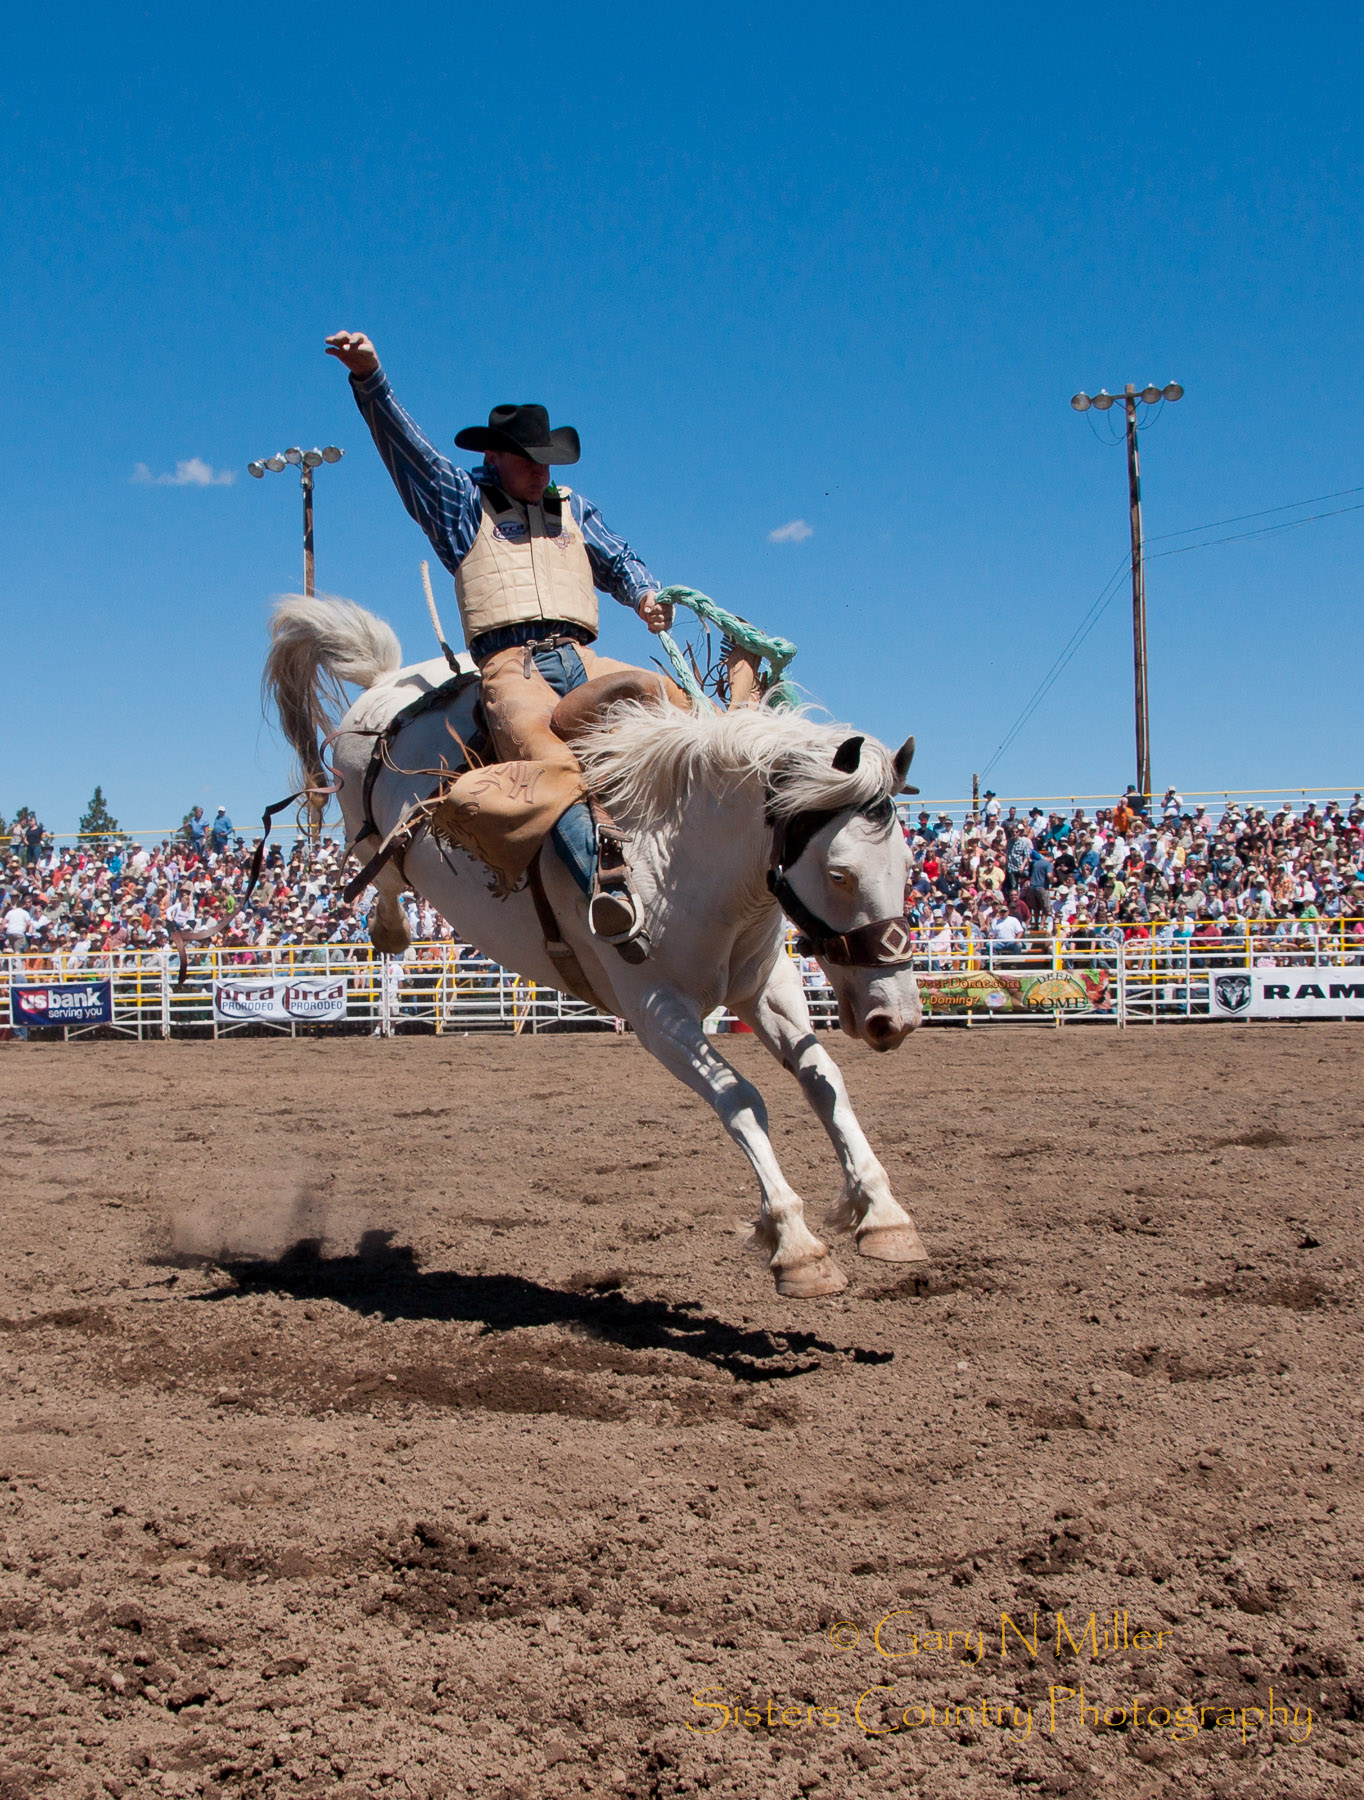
{"x": 671, "y": 1031}
{"x": 880, "y": 1225}
{"x": 388, "y": 928}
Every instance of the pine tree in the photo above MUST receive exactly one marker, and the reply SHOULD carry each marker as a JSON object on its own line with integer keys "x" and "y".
{"x": 98, "y": 824}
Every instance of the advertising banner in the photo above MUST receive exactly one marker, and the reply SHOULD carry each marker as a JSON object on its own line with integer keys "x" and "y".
{"x": 63, "y": 1003}
{"x": 1301, "y": 993}
{"x": 277, "y": 999}
{"x": 980, "y": 991}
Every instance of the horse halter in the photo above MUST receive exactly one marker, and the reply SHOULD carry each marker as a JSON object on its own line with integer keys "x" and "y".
{"x": 884, "y": 944}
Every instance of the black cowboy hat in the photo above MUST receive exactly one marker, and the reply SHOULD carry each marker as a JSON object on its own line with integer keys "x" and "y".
{"x": 524, "y": 430}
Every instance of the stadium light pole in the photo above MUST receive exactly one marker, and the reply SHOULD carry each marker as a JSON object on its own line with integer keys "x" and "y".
{"x": 305, "y": 461}
{"x": 1102, "y": 401}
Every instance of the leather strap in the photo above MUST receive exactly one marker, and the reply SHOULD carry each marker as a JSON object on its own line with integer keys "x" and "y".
{"x": 560, "y": 953}
{"x": 258, "y": 860}
{"x": 613, "y": 866}
{"x": 378, "y": 757}
{"x": 883, "y": 944}
{"x": 393, "y": 845}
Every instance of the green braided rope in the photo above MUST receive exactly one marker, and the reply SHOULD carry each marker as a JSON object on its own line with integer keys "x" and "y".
{"x": 777, "y": 652}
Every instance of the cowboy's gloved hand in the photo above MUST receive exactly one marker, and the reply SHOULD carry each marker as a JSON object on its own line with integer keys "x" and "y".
{"x": 354, "y": 349}
{"x": 656, "y": 614}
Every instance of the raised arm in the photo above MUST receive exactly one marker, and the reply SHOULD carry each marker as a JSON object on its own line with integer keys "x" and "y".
{"x": 440, "y": 496}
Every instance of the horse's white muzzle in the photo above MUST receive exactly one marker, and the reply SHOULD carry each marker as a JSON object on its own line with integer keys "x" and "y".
{"x": 883, "y": 1032}
{"x": 882, "y": 1015}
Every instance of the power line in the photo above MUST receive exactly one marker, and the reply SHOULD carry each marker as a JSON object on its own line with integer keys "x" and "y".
{"x": 1077, "y": 637}
{"x": 1100, "y": 606}
{"x": 1263, "y": 530}
{"x": 1240, "y": 518}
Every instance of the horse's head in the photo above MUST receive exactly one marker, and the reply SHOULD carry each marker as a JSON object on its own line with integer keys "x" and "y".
{"x": 839, "y": 875}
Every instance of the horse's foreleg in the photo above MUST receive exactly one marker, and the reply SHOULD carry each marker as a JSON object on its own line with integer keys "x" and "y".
{"x": 780, "y": 1018}
{"x": 671, "y": 1032}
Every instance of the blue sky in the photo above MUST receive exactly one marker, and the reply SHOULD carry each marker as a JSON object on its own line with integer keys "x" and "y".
{"x": 776, "y": 263}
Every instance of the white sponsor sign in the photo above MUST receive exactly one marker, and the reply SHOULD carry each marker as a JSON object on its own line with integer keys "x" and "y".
{"x": 280, "y": 998}
{"x": 1290, "y": 993}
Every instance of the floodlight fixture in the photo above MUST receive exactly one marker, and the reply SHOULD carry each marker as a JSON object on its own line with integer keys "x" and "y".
{"x": 1150, "y": 395}
{"x": 305, "y": 461}
{"x": 1081, "y": 402}
{"x": 1173, "y": 391}
{"x": 1103, "y": 400}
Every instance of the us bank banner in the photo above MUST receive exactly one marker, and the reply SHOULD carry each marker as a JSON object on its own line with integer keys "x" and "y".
{"x": 63, "y": 1003}
{"x": 277, "y": 1000}
{"x": 980, "y": 990}
{"x": 1301, "y": 993}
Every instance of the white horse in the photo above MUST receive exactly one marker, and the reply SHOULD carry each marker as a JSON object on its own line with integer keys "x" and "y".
{"x": 723, "y": 813}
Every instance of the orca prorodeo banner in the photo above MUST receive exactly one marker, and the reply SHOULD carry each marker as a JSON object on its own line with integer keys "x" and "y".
{"x": 280, "y": 998}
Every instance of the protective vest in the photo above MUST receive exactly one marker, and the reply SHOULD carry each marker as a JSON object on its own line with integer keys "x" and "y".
{"x": 516, "y": 570}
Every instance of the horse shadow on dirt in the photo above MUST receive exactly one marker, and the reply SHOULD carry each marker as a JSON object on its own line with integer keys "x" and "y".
{"x": 384, "y": 1279}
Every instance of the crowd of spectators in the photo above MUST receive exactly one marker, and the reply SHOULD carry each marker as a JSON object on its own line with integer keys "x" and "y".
{"x": 87, "y": 899}
{"x": 995, "y": 877}
{"x": 1169, "y": 871}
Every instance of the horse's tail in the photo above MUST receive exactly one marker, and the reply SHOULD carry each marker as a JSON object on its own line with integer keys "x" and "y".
{"x": 316, "y": 643}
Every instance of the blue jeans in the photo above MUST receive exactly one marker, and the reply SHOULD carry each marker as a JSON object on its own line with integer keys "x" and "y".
{"x": 574, "y": 836}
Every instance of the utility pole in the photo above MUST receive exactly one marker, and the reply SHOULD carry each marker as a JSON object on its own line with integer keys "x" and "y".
{"x": 307, "y": 482}
{"x": 1148, "y": 396}
{"x": 1139, "y": 667}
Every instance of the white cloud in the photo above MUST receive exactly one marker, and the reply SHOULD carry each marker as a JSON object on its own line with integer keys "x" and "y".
{"x": 794, "y": 533}
{"x": 194, "y": 473}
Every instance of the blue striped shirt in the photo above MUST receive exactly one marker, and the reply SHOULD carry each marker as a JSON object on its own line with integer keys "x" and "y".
{"x": 446, "y": 502}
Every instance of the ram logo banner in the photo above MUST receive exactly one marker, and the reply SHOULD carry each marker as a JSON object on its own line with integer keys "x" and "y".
{"x": 1232, "y": 993}
{"x": 1298, "y": 992}
{"x": 63, "y": 1003}
{"x": 280, "y": 998}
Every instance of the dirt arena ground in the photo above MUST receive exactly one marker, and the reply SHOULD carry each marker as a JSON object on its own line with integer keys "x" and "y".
{"x": 513, "y": 1477}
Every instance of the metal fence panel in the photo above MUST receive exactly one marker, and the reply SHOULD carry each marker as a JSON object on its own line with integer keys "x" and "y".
{"x": 444, "y": 986}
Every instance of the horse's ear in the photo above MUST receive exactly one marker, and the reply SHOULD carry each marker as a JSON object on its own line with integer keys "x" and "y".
{"x": 904, "y": 756}
{"x": 848, "y": 755}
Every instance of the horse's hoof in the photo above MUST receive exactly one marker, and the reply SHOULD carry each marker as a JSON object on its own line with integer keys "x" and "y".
{"x": 808, "y": 1280}
{"x": 390, "y": 943}
{"x": 892, "y": 1243}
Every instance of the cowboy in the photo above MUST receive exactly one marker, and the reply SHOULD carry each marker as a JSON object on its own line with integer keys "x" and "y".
{"x": 527, "y": 557}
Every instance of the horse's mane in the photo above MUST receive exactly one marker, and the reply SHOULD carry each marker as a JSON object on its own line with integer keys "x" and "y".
{"x": 647, "y": 760}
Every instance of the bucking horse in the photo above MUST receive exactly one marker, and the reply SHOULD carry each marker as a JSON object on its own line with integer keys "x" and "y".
{"x": 735, "y": 822}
